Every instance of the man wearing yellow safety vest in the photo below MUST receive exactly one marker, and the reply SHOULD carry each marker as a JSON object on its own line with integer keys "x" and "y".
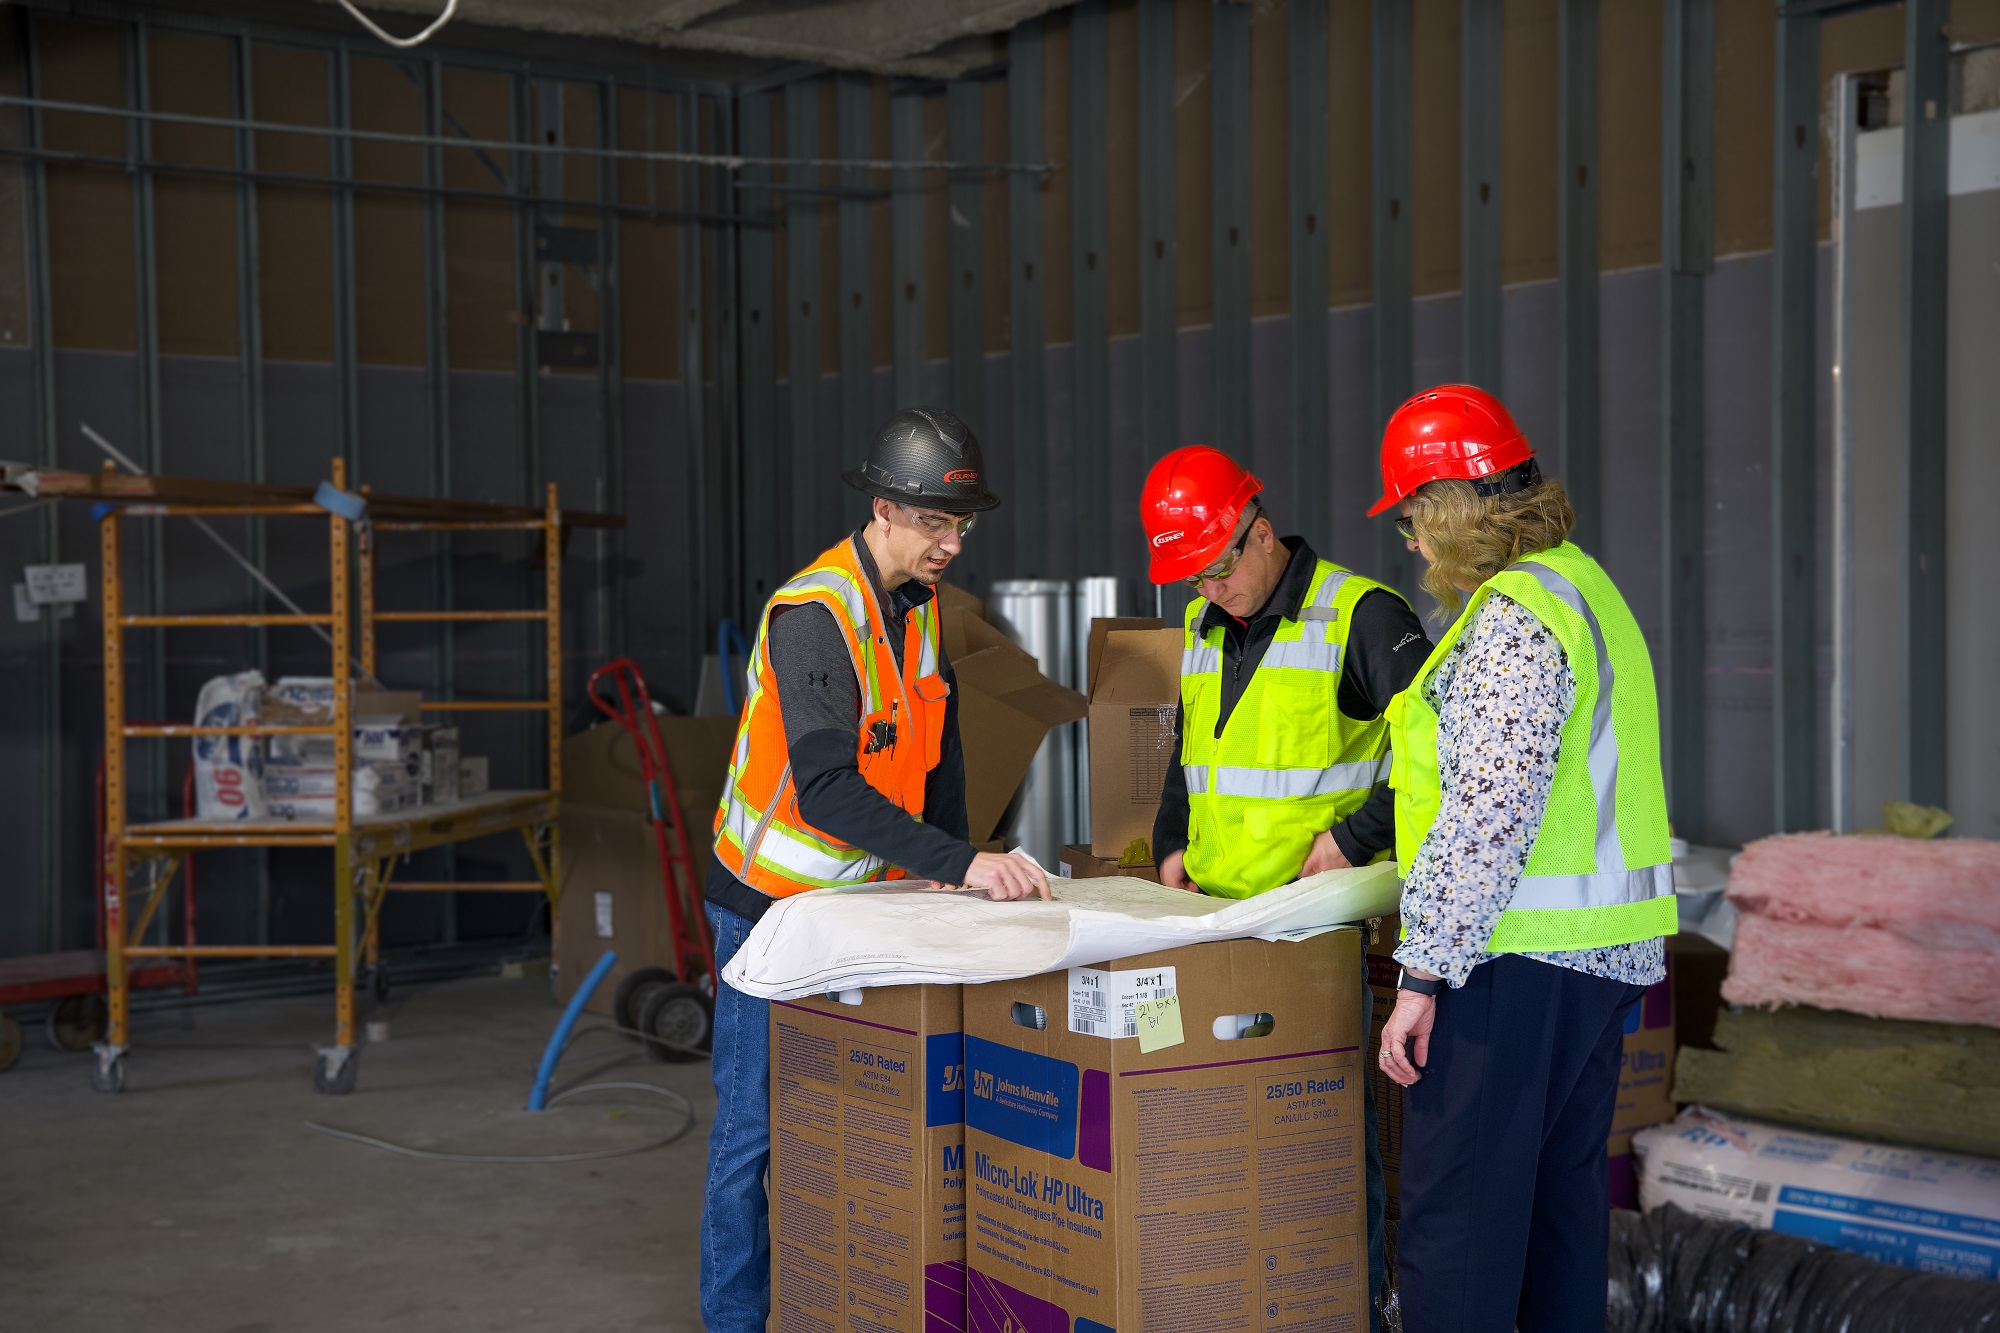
{"x": 1289, "y": 663}
{"x": 1531, "y": 826}
{"x": 846, "y": 769}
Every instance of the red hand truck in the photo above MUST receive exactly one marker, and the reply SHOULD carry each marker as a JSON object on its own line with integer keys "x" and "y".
{"x": 672, "y": 1011}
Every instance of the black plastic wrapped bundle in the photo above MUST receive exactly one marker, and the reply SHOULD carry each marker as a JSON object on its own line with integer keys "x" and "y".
{"x": 1673, "y": 1272}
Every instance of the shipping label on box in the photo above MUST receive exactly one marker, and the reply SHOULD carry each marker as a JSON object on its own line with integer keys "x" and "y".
{"x": 1215, "y": 1182}
{"x": 868, "y": 1161}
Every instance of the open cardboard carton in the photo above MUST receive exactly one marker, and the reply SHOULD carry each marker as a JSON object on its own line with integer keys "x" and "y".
{"x": 1006, "y": 706}
{"x": 1135, "y": 688}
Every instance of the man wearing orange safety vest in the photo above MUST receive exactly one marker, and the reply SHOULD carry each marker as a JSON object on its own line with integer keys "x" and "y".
{"x": 846, "y": 769}
{"x": 1288, "y": 665}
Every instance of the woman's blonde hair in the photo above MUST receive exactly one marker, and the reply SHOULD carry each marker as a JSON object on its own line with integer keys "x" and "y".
{"x": 1473, "y": 537}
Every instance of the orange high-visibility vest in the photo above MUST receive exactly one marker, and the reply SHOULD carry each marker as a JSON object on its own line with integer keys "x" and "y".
{"x": 759, "y": 833}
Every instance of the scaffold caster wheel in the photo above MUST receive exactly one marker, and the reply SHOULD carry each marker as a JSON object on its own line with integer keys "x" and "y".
{"x": 10, "y": 1041}
{"x": 378, "y": 982}
{"x": 107, "y": 1071}
{"x": 336, "y": 1069}
{"x": 78, "y": 1022}
{"x": 683, "y": 1019}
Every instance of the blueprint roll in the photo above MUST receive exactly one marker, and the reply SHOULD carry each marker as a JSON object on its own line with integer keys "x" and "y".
{"x": 1096, "y": 598}
{"x": 1037, "y": 614}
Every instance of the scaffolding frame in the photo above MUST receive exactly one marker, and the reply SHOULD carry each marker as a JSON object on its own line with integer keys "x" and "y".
{"x": 366, "y": 849}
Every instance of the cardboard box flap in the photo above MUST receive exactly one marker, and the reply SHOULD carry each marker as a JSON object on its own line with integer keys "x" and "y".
{"x": 1101, "y": 628}
{"x": 601, "y": 766}
{"x": 1005, "y": 708}
{"x": 1008, "y": 674}
{"x": 1139, "y": 666}
{"x": 962, "y": 624}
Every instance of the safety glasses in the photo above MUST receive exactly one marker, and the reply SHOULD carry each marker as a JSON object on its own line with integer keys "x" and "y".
{"x": 937, "y": 525}
{"x": 1407, "y": 526}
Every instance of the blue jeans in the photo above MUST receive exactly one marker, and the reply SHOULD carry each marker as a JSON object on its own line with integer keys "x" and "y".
{"x": 735, "y": 1213}
{"x": 1378, "y": 1187}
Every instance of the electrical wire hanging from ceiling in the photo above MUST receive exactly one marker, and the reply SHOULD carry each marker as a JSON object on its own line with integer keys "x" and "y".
{"x": 402, "y": 43}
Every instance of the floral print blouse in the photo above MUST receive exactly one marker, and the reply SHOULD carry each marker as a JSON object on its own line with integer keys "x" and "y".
{"x": 1501, "y": 696}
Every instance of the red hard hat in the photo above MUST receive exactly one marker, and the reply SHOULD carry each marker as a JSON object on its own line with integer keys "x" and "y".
{"x": 1453, "y": 430}
{"x": 1192, "y": 502}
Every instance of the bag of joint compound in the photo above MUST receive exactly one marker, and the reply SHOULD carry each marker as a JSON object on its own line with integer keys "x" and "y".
{"x": 229, "y": 770}
{"x": 1932, "y": 1211}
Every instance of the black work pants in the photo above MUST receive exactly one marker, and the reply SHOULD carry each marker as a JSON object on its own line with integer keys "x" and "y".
{"x": 1505, "y": 1219}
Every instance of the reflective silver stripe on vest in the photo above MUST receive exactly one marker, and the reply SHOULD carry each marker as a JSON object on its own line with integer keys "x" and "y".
{"x": 1615, "y": 888}
{"x": 841, "y": 586}
{"x": 1197, "y": 778}
{"x": 1279, "y": 784}
{"x": 1201, "y": 661}
{"x": 1302, "y": 655}
{"x": 1603, "y": 735}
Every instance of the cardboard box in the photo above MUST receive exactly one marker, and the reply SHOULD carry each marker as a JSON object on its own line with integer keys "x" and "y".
{"x": 1210, "y": 1184}
{"x": 1005, "y": 707}
{"x": 868, "y": 1161}
{"x": 1645, "y": 1073}
{"x": 613, "y": 890}
{"x": 1101, "y": 629}
{"x": 1082, "y": 865}
{"x": 1137, "y": 687}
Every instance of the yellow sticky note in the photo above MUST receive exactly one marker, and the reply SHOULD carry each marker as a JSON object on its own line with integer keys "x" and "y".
{"x": 1159, "y": 1023}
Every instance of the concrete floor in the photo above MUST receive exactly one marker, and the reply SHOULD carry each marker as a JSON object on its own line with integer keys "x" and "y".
{"x": 197, "y": 1200}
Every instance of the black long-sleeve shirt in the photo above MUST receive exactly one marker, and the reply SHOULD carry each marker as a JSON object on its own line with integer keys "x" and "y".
{"x": 1386, "y": 645}
{"x": 821, "y": 706}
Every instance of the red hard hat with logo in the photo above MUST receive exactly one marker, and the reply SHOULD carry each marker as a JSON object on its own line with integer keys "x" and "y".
{"x": 1453, "y": 430}
{"x": 1193, "y": 500}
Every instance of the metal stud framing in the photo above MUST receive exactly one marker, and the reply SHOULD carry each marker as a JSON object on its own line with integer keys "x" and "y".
{"x": 857, "y": 325}
{"x": 1394, "y": 322}
{"x": 437, "y": 438}
{"x": 611, "y": 384}
{"x": 762, "y": 539}
{"x": 1926, "y": 235}
{"x": 34, "y": 181}
{"x": 1479, "y": 109}
{"x": 346, "y": 353}
{"x": 1159, "y": 322}
{"x": 151, "y": 771}
{"x": 964, "y": 131}
{"x": 906, "y": 249}
{"x": 1579, "y": 423}
{"x": 1794, "y": 269}
{"x": 1687, "y": 242}
{"x": 727, "y": 540}
{"x": 1230, "y": 207}
{"x": 1312, "y": 412}
{"x": 1025, "y": 298}
{"x": 815, "y": 504}
{"x": 964, "y": 136}
{"x": 703, "y": 493}
{"x": 1090, "y": 392}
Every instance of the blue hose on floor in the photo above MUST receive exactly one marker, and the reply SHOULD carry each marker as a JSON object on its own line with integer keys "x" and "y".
{"x": 553, "y": 1053}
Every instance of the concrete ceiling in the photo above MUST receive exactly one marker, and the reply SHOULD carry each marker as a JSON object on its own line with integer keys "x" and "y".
{"x": 938, "y": 39}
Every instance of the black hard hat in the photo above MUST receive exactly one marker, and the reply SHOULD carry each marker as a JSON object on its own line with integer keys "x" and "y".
{"x": 925, "y": 456}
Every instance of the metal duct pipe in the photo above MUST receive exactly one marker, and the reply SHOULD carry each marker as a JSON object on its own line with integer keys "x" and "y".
{"x": 1096, "y": 597}
{"x": 1037, "y": 615}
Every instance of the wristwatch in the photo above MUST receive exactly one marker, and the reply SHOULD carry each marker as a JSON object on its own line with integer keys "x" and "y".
{"x": 1417, "y": 985}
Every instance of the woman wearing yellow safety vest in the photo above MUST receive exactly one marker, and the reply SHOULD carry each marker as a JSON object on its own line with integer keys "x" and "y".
{"x": 1531, "y": 826}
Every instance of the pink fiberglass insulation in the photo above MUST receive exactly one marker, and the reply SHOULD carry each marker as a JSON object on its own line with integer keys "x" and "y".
{"x": 1884, "y": 926}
